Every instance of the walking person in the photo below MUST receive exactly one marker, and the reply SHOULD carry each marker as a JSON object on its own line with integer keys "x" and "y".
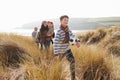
{"x": 35, "y": 34}
{"x": 43, "y": 35}
{"x": 50, "y": 32}
{"x": 61, "y": 44}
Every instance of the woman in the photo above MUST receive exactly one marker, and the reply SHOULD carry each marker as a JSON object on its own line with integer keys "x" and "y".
{"x": 43, "y": 35}
{"x": 50, "y": 33}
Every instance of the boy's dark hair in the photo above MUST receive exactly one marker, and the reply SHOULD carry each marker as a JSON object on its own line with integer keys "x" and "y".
{"x": 64, "y": 16}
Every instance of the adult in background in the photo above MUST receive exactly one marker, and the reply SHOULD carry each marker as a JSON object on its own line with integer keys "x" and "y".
{"x": 35, "y": 34}
{"x": 50, "y": 33}
{"x": 43, "y": 35}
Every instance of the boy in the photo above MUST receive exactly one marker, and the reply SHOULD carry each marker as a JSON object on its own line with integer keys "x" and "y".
{"x": 61, "y": 44}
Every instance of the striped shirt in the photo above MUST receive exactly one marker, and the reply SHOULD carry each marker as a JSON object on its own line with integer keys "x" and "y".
{"x": 59, "y": 46}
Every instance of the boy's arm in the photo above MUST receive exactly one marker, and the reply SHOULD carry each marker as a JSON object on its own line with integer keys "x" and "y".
{"x": 56, "y": 43}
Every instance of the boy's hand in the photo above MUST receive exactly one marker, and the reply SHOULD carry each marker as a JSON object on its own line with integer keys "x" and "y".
{"x": 78, "y": 44}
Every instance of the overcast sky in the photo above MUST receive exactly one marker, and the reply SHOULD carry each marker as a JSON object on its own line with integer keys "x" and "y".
{"x": 14, "y": 13}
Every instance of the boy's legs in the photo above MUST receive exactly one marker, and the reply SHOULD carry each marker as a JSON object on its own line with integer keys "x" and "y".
{"x": 69, "y": 56}
{"x": 71, "y": 59}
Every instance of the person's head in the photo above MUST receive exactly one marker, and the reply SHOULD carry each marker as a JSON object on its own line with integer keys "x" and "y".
{"x": 35, "y": 28}
{"x": 64, "y": 20}
{"x": 50, "y": 24}
{"x": 44, "y": 23}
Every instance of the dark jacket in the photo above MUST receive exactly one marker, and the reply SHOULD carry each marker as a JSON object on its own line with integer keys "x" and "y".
{"x": 43, "y": 34}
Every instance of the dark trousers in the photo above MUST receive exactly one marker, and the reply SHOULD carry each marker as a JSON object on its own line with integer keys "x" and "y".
{"x": 69, "y": 56}
{"x": 41, "y": 46}
{"x": 47, "y": 45}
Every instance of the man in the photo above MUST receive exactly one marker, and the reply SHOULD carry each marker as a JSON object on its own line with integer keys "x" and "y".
{"x": 35, "y": 35}
{"x": 51, "y": 31}
{"x": 61, "y": 44}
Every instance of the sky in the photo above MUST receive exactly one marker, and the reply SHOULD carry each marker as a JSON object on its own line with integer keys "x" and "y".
{"x": 15, "y": 13}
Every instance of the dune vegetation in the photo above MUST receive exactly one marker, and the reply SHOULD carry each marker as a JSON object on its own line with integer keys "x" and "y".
{"x": 96, "y": 59}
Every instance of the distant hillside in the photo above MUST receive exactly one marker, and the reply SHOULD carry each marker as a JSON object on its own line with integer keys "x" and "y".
{"x": 81, "y": 23}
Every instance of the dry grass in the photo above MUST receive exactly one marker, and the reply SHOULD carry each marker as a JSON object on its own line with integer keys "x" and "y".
{"x": 93, "y": 37}
{"x": 33, "y": 65}
{"x": 92, "y": 62}
{"x": 98, "y": 36}
{"x": 108, "y": 38}
{"x": 112, "y": 43}
{"x": 84, "y": 38}
{"x": 12, "y": 55}
{"x": 105, "y": 39}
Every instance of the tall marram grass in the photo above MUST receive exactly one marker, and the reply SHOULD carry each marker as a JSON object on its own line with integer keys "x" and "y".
{"x": 20, "y": 58}
{"x": 107, "y": 38}
{"x": 92, "y": 62}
